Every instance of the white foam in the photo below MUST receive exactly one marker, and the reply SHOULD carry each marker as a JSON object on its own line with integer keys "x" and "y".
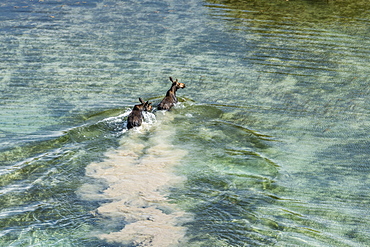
{"x": 116, "y": 119}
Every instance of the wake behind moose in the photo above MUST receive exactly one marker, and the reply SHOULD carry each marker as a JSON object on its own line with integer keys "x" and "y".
{"x": 170, "y": 99}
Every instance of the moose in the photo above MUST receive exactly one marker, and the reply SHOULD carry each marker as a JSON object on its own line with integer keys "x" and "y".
{"x": 135, "y": 118}
{"x": 170, "y": 99}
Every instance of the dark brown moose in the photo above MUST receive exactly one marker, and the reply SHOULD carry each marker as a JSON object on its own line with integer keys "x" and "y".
{"x": 170, "y": 99}
{"x": 136, "y": 116}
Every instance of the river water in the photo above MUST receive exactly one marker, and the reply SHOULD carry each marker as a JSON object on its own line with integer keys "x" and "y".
{"x": 268, "y": 146}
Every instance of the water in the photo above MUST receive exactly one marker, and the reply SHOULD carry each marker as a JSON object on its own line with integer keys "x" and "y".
{"x": 268, "y": 146}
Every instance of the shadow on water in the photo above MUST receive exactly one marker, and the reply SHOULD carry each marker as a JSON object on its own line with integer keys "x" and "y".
{"x": 342, "y": 15}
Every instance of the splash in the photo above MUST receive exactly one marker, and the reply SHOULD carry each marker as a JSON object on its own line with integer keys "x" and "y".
{"x": 139, "y": 174}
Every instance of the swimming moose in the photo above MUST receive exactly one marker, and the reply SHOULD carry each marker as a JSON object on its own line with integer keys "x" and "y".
{"x": 136, "y": 116}
{"x": 170, "y": 99}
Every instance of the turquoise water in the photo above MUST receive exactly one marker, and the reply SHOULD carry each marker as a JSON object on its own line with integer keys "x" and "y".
{"x": 269, "y": 145}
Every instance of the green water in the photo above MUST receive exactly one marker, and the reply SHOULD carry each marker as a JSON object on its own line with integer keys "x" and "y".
{"x": 269, "y": 145}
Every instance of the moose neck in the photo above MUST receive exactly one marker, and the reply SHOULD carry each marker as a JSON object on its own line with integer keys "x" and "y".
{"x": 172, "y": 90}
{"x": 138, "y": 107}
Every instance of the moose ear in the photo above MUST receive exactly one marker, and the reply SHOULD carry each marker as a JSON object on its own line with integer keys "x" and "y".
{"x": 171, "y": 79}
{"x": 141, "y": 100}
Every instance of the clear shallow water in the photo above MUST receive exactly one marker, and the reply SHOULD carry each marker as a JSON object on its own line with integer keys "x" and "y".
{"x": 268, "y": 147}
